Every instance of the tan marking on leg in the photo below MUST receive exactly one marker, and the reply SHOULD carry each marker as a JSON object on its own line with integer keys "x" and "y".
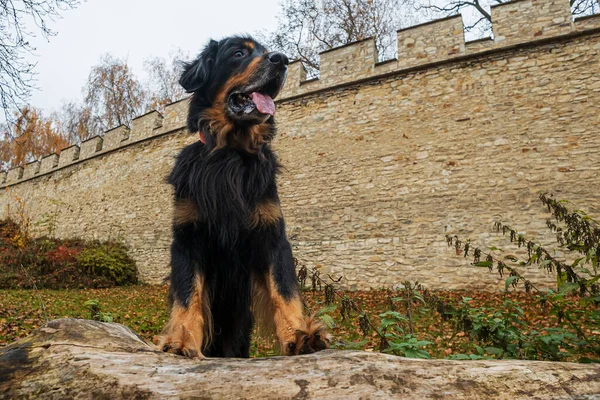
{"x": 185, "y": 211}
{"x": 296, "y": 333}
{"x": 287, "y": 315}
{"x": 188, "y": 329}
{"x": 262, "y": 307}
{"x": 265, "y": 214}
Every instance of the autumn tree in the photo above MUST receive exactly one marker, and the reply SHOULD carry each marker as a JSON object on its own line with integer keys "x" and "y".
{"x": 33, "y": 137}
{"x": 16, "y": 72}
{"x": 163, "y": 79}
{"x": 308, "y": 27}
{"x": 113, "y": 95}
{"x": 478, "y": 15}
{"x": 76, "y": 122}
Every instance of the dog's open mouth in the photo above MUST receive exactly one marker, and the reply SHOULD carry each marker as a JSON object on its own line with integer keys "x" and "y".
{"x": 255, "y": 99}
{"x": 244, "y": 103}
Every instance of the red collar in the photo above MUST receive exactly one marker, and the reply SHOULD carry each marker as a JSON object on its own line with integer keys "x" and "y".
{"x": 202, "y": 138}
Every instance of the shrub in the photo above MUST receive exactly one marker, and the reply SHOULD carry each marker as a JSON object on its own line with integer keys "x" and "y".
{"x": 61, "y": 263}
{"x": 109, "y": 260}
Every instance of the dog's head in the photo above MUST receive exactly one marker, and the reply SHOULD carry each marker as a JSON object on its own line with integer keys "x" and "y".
{"x": 234, "y": 82}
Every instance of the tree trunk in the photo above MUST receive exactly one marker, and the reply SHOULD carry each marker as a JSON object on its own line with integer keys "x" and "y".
{"x": 70, "y": 358}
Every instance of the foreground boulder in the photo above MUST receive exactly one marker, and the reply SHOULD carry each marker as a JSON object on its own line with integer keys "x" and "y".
{"x": 71, "y": 358}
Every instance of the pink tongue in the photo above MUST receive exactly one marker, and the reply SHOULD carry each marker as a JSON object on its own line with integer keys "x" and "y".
{"x": 264, "y": 103}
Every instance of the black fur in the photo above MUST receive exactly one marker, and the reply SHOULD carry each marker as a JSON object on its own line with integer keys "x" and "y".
{"x": 226, "y": 184}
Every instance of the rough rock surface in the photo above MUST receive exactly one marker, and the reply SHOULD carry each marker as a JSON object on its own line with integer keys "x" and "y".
{"x": 70, "y": 358}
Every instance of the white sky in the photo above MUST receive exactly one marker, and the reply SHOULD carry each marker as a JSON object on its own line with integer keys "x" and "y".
{"x": 135, "y": 29}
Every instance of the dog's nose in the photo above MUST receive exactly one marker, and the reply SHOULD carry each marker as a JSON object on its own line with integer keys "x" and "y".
{"x": 278, "y": 58}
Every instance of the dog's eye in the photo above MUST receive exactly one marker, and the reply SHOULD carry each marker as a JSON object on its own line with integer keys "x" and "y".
{"x": 239, "y": 54}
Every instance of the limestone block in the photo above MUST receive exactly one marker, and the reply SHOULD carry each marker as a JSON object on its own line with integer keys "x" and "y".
{"x": 68, "y": 155}
{"x": 348, "y": 63}
{"x": 526, "y": 20}
{"x": 175, "y": 115}
{"x": 115, "y": 137}
{"x": 296, "y": 75}
{"x": 477, "y": 46}
{"x": 433, "y": 41}
{"x": 145, "y": 126}
{"x": 31, "y": 169}
{"x": 14, "y": 174}
{"x": 587, "y": 22}
{"x": 90, "y": 147}
{"x": 48, "y": 163}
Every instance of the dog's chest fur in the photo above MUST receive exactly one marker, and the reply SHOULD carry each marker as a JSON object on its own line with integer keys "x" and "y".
{"x": 226, "y": 185}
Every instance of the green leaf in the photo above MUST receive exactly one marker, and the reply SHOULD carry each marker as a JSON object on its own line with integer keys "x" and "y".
{"x": 568, "y": 287}
{"x": 484, "y": 264}
{"x": 106, "y": 318}
{"x": 509, "y": 281}
{"x": 393, "y": 315}
{"x": 494, "y": 350}
{"x": 326, "y": 310}
{"x": 593, "y": 280}
{"x": 423, "y": 343}
{"x": 411, "y": 353}
{"x": 327, "y": 320}
{"x": 479, "y": 350}
{"x": 577, "y": 261}
{"x": 459, "y": 357}
{"x": 351, "y": 345}
{"x": 91, "y": 303}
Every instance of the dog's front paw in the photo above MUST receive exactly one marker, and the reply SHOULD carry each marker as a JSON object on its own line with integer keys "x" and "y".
{"x": 311, "y": 338}
{"x": 181, "y": 341}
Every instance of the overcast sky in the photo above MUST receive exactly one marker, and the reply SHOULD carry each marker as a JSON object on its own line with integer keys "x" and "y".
{"x": 135, "y": 29}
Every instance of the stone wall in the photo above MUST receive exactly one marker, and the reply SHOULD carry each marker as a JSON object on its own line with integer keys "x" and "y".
{"x": 113, "y": 187}
{"x": 382, "y": 159}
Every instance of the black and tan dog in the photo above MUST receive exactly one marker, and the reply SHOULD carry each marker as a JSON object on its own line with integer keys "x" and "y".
{"x": 231, "y": 263}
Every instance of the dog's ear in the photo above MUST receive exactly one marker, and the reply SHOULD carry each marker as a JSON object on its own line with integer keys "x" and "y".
{"x": 196, "y": 74}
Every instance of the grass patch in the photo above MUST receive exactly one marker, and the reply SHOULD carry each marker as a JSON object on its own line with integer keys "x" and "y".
{"x": 144, "y": 310}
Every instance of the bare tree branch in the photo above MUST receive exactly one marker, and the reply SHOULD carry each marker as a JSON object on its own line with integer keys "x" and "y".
{"x": 17, "y": 74}
{"x": 308, "y": 27}
{"x": 481, "y": 19}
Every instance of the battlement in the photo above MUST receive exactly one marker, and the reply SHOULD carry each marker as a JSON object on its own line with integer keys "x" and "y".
{"x": 144, "y": 127}
{"x": 514, "y": 23}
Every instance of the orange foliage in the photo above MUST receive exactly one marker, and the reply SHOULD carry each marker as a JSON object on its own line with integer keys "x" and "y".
{"x": 34, "y": 136}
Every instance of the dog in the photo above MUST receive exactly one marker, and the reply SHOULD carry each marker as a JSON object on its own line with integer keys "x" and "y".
{"x": 231, "y": 263}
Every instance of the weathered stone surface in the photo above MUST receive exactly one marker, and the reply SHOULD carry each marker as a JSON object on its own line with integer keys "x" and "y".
{"x": 433, "y": 41}
{"x": 90, "y": 147}
{"x": 82, "y": 359}
{"x": 68, "y": 155}
{"x": 349, "y": 63}
{"x": 14, "y": 174}
{"x": 115, "y": 137}
{"x": 31, "y": 169}
{"x": 145, "y": 126}
{"x": 48, "y": 163}
{"x": 377, "y": 172}
{"x": 522, "y": 21}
